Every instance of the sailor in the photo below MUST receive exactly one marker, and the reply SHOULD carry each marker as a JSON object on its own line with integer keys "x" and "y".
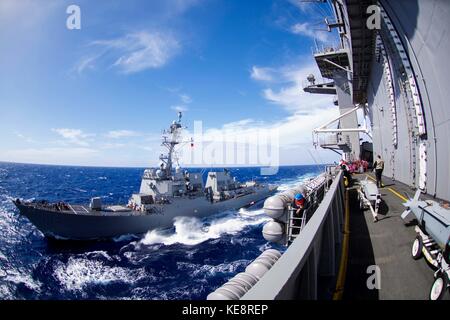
{"x": 209, "y": 194}
{"x": 378, "y": 168}
{"x": 346, "y": 170}
{"x": 299, "y": 204}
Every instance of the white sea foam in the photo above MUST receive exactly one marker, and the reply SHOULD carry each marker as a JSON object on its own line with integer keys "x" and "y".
{"x": 99, "y": 254}
{"x": 211, "y": 270}
{"x": 192, "y": 231}
{"x": 3, "y": 257}
{"x": 17, "y": 277}
{"x": 6, "y": 292}
{"x": 125, "y": 237}
{"x": 290, "y": 183}
{"x": 80, "y": 272}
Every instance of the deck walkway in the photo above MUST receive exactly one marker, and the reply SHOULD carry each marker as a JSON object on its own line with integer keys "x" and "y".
{"x": 387, "y": 244}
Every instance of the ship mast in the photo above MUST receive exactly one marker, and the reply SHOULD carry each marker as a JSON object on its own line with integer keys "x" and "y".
{"x": 170, "y": 139}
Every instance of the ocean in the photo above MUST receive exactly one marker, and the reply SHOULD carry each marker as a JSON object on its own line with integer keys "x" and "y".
{"x": 187, "y": 261}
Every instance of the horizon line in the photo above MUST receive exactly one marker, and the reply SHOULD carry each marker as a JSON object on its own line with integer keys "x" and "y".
{"x": 144, "y": 167}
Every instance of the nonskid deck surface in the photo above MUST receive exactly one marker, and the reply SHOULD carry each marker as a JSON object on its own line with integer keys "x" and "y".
{"x": 78, "y": 209}
{"x": 386, "y": 244}
{"x": 123, "y": 210}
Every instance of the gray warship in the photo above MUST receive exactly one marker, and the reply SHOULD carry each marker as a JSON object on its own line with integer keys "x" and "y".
{"x": 164, "y": 194}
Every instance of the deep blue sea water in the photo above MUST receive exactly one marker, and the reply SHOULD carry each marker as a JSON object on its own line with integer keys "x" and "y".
{"x": 187, "y": 261}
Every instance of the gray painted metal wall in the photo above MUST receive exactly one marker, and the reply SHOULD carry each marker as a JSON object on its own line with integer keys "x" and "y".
{"x": 424, "y": 30}
{"x": 349, "y": 121}
{"x": 314, "y": 253}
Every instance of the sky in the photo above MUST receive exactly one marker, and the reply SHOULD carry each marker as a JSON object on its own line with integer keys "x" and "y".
{"x": 101, "y": 95}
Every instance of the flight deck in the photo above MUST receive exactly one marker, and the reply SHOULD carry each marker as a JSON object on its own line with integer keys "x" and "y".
{"x": 386, "y": 244}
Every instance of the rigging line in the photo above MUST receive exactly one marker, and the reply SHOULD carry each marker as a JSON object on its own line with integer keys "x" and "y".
{"x": 321, "y": 10}
{"x": 330, "y": 8}
{"x": 320, "y": 158}
{"x": 319, "y": 22}
{"x": 315, "y": 161}
{"x": 316, "y": 8}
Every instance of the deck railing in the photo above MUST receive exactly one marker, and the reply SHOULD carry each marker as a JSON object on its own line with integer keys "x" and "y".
{"x": 314, "y": 253}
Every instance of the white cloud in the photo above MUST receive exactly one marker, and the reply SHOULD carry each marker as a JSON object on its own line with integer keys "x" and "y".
{"x": 286, "y": 141}
{"x": 293, "y": 130}
{"x": 287, "y": 89}
{"x": 12, "y": 13}
{"x": 74, "y": 136}
{"x": 314, "y": 9}
{"x": 262, "y": 74}
{"x": 306, "y": 112}
{"x": 308, "y": 30}
{"x": 86, "y": 63}
{"x": 179, "y": 108}
{"x": 24, "y": 138}
{"x": 117, "y": 134}
{"x": 113, "y": 145}
{"x": 133, "y": 52}
{"x": 180, "y": 6}
{"x": 185, "y": 98}
{"x": 302, "y": 5}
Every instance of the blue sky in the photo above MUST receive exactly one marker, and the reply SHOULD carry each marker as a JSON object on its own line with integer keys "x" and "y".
{"x": 101, "y": 95}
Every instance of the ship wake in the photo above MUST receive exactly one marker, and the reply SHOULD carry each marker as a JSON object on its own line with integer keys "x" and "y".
{"x": 193, "y": 231}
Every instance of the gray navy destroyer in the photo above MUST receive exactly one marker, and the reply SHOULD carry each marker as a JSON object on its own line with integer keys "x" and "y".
{"x": 164, "y": 194}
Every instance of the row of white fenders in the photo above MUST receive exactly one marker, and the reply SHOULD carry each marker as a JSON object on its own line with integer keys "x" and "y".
{"x": 276, "y": 207}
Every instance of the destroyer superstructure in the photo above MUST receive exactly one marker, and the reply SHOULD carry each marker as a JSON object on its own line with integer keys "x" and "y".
{"x": 164, "y": 194}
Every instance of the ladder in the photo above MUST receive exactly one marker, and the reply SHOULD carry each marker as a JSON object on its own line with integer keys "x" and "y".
{"x": 295, "y": 224}
{"x": 412, "y": 129}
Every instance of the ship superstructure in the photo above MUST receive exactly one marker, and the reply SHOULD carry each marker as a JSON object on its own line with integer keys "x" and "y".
{"x": 395, "y": 71}
{"x": 390, "y": 67}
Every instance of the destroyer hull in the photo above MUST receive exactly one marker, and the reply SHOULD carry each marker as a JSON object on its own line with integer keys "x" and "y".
{"x": 100, "y": 225}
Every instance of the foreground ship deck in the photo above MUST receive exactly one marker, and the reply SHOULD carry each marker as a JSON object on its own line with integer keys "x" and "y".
{"x": 386, "y": 244}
